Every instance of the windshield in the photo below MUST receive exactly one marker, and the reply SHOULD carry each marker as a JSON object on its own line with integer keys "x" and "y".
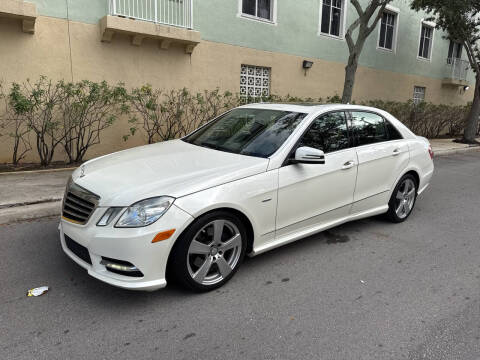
{"x": 254, "y": 132}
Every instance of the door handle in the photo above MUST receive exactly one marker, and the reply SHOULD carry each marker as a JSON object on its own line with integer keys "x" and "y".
{"x": 348, "y": 165}
{"x": 396, "y": 152}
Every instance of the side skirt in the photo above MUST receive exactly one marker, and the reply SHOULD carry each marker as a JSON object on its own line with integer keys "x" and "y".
{"x": 316, "y": 229}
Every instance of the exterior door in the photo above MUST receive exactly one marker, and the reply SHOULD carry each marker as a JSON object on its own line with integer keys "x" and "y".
{"x": 312, "y": 194}
{"x": 382, "y": 156}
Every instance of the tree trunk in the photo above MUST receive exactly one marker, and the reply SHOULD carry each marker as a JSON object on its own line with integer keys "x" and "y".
{"x": 350, "y": 71}
{"x": 351, "y": 68}
{"x": 471, "y": 127}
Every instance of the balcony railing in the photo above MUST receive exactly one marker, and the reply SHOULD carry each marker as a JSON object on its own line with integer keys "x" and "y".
{"x": 169, "y": 12}
{"x": 457, "y": 69}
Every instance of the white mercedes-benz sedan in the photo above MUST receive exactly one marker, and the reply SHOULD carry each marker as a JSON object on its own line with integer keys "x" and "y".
{"x": 253, "y": 179}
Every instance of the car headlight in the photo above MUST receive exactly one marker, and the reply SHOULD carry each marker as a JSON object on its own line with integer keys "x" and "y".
{"x": 145, "y": 212}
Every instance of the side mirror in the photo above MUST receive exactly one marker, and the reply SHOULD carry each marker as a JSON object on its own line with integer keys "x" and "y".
{"x": 308, "y": 155}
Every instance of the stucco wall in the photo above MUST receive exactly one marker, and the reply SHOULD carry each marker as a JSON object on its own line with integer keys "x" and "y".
{"x": 295, "y": 32}
{"x": 211, "y": 65}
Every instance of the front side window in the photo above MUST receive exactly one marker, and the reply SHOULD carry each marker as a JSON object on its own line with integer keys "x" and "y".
{"x": 368, "y": 128}
{"x": 253, "y": 132}
{"x": 327, "y": 133}
{"x": 258, "y": 8}
{"x": 426, "y": 38}
{"x": 387, "y": 31}
{"x": 331, "y": 21}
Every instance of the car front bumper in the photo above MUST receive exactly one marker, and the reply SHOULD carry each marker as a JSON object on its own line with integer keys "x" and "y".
{"x": 133, "y": 245}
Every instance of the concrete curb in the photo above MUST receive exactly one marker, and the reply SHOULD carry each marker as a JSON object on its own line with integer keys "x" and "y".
{"x": 39, "y": 201}
{"x": 456, "y": 151}
{"x": 36, "y": 171}
{"x": 29, "y": 212}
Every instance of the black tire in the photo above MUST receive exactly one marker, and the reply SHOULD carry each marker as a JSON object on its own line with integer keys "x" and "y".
{"x": 182, "y": 263}
{"x": 395, "y": 203}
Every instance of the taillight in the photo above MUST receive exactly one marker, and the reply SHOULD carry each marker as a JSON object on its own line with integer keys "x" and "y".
{"x": 430, "y": 151}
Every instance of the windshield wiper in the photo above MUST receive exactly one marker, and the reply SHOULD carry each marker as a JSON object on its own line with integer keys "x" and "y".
{"x": 216, "y": 147}
{"x": 209, "y": 145}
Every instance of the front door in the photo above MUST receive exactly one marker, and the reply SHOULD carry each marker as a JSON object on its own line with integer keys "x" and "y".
{"x": 310, "y": 195}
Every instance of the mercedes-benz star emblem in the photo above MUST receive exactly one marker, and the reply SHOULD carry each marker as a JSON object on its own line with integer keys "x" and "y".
{"x": 82, "y": 171}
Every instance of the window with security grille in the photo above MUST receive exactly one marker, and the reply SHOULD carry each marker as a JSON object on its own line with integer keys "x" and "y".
{"x": 254, "y": 81}
{"x": 418, "y": 94}
{"x": 387, "y": 31}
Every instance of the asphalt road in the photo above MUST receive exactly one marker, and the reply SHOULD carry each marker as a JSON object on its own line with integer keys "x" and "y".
{"x": 365, "y": 290}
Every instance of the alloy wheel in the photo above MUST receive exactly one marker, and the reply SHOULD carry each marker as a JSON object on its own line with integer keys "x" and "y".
{"x": 405, "y": 198}
{"x": 214, "y": 252}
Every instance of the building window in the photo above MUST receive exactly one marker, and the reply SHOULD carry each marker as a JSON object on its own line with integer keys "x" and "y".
{"x": 426, "y": 40}
{"x": 454, "y": 51}
{"x": 418, "y": 94}
{"x": 387, "y": 36}
{"x": 332, "y": 17}
{"x": 254, "y": 81}
{"x": 262, "y": 9}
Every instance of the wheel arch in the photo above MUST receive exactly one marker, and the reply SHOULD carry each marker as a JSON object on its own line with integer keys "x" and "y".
{"x": 410, "y": 170}
{"x": 415, "y": 174}
{"x": 243, "y": 218}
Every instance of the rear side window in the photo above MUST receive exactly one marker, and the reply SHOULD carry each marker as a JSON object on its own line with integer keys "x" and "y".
{"x": 368, "y": 128}
{"x": 328, "y": 132}
{"x": 393, "y": 133}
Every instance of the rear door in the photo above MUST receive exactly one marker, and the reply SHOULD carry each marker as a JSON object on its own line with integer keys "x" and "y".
{"x": 382, "y": 156}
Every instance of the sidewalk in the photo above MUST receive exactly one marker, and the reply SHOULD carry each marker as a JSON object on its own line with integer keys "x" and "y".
{"x": 447, "y": 146}
{"x": 35, "y": 194}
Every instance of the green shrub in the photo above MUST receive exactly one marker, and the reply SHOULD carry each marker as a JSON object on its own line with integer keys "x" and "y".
{"x": 87, "y": 109}
{"x": 71, "y": 115}
{"x": 426, "y": 119}
{"x": 74, "y": 115}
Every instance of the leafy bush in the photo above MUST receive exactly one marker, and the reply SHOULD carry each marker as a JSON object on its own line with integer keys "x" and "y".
{"x": 68, "y": 114}
{"x": 36, "y": 104}
{"x": 74, "y": 115}
{"x": 16, "y": 126}
{"x": 427, "y": 119}
{"x": 87, "y": 109}
{"x": 168, "y": 115}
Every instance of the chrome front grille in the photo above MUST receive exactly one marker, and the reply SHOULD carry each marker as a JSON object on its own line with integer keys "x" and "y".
{"x": 78, "y": 203}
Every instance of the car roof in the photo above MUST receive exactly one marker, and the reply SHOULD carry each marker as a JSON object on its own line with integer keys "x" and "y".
{"x": 308, "y": 108}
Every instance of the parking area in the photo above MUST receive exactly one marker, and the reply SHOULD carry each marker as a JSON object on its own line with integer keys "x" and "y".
{"x": 365, "y": 290}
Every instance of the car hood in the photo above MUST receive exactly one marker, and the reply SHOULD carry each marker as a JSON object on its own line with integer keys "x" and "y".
{"x": 174, "y": 168}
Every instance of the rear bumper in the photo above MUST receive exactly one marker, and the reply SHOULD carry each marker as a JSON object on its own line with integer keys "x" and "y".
{"x": 133, "y": 245}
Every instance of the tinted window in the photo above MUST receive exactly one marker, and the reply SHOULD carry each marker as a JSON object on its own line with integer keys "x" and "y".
{"x": 328, "y": 133}
{"x": 368, "y": 128}
{"x": 393, "y": 133}
{"x": 254, "y": 132}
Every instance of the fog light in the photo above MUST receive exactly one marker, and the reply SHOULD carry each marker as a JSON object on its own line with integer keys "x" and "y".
{"x": 121, "y": 267}
{"x": 118, "y": 267}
